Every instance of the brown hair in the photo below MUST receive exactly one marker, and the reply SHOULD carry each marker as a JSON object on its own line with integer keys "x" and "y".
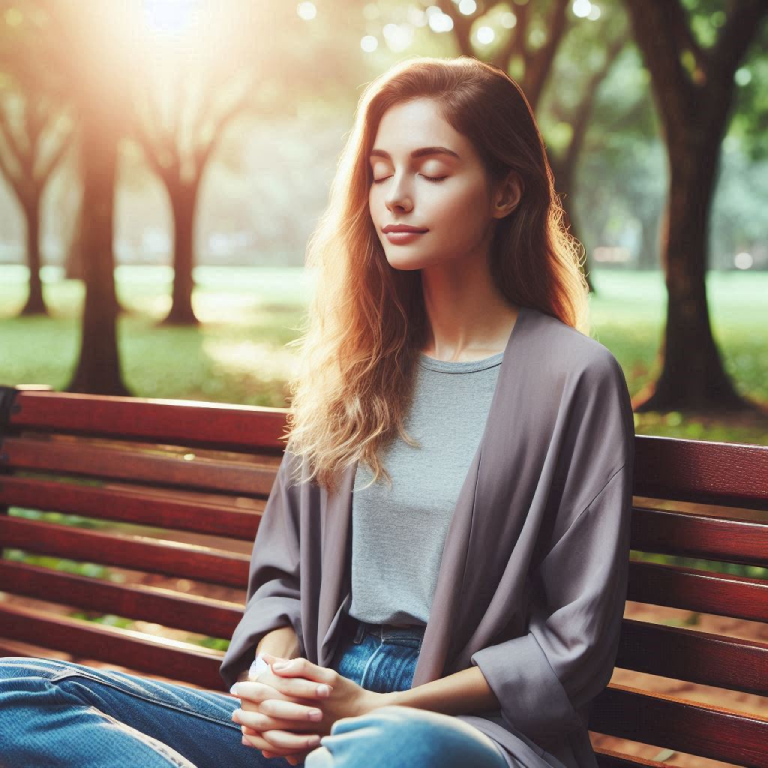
{"x": 367, "y": 323}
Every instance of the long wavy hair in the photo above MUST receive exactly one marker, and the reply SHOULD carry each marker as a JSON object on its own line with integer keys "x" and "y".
{"x": 367, "y": 323}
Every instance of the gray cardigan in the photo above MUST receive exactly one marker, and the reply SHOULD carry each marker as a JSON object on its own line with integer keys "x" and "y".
{"x": 532, "y": 582}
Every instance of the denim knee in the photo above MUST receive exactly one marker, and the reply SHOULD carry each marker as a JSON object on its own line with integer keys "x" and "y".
{"x": 30, "y": 666}
{"x": 397, "y": 736}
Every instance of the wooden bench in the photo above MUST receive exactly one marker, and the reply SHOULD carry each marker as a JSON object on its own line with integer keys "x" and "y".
{"x": 185, "y": 482}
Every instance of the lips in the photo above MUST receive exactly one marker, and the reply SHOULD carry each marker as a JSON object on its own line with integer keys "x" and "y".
{"x": 391, "y": 228}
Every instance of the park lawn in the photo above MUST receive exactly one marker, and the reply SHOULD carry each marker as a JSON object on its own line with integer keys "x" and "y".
{"x": 238, "y": 354}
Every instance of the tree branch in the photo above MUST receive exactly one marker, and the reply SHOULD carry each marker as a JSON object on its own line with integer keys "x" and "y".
{"x": 674, "y": 91}
{"x": 740, "y": 29}
{"x": 47, "y": 169}
{"x": 462, "y": 26}
{"x": 540, "y": 61}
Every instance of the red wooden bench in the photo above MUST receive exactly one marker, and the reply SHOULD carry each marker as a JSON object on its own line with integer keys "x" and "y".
{"x": 185, "y": 483}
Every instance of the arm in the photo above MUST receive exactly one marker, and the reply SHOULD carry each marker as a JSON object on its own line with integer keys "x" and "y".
{"x": 273, "y": 595}
{"x": 458, "y": 694}
{"x": 542, "y": 678}
{"x": 538, "y": 680}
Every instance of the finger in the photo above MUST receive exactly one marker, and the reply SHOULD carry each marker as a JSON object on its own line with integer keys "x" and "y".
{"x": 260, "y": 721}
{"x": 289, "y": 710}
{"x": 302, "y": 667}
{"x": 277, "y": 741}
{"x": 296, "y": 687}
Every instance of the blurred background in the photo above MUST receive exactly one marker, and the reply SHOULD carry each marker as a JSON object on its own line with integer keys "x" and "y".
{"x": 163, "y": 162}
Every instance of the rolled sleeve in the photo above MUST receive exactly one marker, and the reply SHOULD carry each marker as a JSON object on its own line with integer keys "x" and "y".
{"x": 544, "y": 678}
{"x": 273, "y": 595}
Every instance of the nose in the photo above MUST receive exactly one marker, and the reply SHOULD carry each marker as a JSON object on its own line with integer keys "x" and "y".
{"x": 398, "y": 196}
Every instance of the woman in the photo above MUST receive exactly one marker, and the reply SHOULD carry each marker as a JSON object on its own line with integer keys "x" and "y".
{"x": 466, "y": 611}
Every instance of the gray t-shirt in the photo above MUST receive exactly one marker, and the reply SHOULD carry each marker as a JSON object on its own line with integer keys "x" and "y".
{"x": 398, "y": 535}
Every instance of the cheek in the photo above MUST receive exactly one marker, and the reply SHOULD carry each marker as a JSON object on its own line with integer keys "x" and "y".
{"x": 464, "y": 215}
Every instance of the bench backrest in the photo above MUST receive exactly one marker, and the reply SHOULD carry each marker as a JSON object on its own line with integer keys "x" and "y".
{"x": 178, "y": 488}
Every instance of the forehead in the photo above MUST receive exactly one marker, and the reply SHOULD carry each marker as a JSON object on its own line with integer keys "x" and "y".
{"x": 415, "y": 124}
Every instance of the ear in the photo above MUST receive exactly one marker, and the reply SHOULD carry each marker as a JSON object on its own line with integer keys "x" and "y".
{"x": 507, "y": 195}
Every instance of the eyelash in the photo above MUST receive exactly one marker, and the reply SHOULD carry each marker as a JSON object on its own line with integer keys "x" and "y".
{"x": 429, "y": 178}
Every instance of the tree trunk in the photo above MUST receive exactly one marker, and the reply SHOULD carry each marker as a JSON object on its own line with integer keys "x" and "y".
{"x": 35, "y": 303}
{"x": 647, "y": 254}
{"x": 98, "y": 369}
{"x": 73, "y": 259}
{"x": 183, "y": 204}
{"x": 692, "y": 376}
{"x": 694, "y": 111}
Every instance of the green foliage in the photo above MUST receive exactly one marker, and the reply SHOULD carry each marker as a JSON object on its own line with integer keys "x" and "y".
{"x": 108, "y": 620}
{"x": 216, "y": 643}
{"x": 74, "y": 521}
{"x": 732, "y": 569}
{"x": 91, "y": 570}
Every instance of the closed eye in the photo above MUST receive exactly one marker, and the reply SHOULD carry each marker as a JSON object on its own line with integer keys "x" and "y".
{"x": 429, "y": 178}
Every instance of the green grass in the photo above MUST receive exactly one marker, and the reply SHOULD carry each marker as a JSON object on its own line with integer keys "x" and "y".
{"x": 238, "y": 353}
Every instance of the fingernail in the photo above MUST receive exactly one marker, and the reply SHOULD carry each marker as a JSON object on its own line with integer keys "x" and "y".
{"x": 233, "y": 690}
{"x": 323, "y": 690}
{"x": 281, "y": 664}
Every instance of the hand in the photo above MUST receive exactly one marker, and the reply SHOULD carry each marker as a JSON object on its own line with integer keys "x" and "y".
{"x": 292, "y": 716}
{"x": 265, "y": 710}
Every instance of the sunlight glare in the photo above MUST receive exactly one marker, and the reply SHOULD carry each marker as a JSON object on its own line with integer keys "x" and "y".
{"x": 306, "y": 11}
{"x": 398, "y": 37}
{"x": 581, "y": 8}
{"x": 485, "y": 35}
{"x": 439, "y": 21}
{"x": 169, "y": 17}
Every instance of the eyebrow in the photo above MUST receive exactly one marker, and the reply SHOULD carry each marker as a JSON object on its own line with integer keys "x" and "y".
{"x": 423, "y": 151}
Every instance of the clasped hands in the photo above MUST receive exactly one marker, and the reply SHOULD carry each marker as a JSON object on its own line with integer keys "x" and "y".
{"x": 285, "y": 712}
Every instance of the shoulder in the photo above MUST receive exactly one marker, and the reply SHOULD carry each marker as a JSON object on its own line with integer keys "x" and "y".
{"x": 567, "y": 352}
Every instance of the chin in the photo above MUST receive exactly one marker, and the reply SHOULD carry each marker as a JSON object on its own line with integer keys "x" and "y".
{"x": 405, "y": 266}
{"x": 405, "y": 263}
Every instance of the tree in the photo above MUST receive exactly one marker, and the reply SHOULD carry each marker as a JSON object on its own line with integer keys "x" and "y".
{"x": 693, "y": 86}
{"x": 96, "y": 96}
{"x": 185, "y": 96}
{"x": 35, "y": 133}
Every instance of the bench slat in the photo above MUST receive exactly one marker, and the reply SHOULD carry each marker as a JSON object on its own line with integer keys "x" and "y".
{"x": 130, "y": 507}
{"x": 207, "y": 616}
{"x": 126, "y": 647}
{"x": 694, "y": 656}
{"x": 171, "y": 558}
{"x": 160, "y": 484}
{"x": 702, "y": 536}
{"x": 692, "y": 727}
{"x": 721, "y": 594}
{"x": 226, "y": 427}
{"x": 609, "y": 758}
{"x": 701, "y": 471}
{"x": 84, "y": 460}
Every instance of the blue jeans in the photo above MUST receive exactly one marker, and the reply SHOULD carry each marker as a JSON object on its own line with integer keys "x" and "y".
{"x": 55, "y": 713}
